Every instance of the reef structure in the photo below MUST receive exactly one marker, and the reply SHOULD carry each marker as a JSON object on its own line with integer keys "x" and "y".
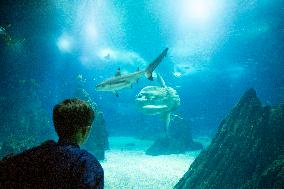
{"x": 247, "y": 151}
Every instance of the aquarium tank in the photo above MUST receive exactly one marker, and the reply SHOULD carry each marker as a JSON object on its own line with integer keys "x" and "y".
{"x": 186, "y": 93}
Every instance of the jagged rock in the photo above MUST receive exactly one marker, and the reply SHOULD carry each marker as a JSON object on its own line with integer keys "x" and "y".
{"x": 244, "y": 153}
{"x": 273, "y": 176}
{"x": 178, "y": 141}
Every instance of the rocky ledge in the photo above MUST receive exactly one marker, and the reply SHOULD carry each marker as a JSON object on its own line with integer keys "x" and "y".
{"x": 178, "y": 141}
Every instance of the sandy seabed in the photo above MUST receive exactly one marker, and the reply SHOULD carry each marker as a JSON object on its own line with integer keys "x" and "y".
{"x": 128, "y": 167}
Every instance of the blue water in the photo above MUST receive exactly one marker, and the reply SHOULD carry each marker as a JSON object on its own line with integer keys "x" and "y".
{"x": 217, "y": 50}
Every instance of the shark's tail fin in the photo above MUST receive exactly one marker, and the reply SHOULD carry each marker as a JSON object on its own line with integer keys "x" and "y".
{"x": 149, "y": 70}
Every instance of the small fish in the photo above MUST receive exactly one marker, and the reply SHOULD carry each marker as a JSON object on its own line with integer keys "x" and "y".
{"x": 122, "y": 81}
{"x": 2, "y": 31}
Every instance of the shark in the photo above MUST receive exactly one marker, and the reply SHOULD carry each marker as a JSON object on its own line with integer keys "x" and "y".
{"x": 119, "y": 81}
{"x": 158, "y": 100}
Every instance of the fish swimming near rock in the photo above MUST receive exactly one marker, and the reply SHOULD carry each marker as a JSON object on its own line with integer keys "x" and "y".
{"x": 122, "y": 81}
{"x": 158, "y": 100}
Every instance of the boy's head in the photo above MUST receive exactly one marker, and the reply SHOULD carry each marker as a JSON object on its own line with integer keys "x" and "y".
{"x": 72, "y": 117}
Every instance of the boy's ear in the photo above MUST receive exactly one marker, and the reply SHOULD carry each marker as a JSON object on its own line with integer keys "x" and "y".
{"x": 85, "y": 130}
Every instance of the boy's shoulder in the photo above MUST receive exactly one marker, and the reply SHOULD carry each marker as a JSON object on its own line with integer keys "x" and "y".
{"x": 28, "y": 152}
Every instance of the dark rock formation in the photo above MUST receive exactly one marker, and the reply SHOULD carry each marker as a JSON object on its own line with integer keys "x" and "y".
{"x": 24, "y": 122}
{"x": 178, "y": 141}
{"x": 273, "y": 176}
{"x": 247, "y": 151}
{"x": 97, "y": 142}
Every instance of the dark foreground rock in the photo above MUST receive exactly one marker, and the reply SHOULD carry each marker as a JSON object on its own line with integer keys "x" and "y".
{"x": 178, "y": 141}
{"x": 246, "y": 153}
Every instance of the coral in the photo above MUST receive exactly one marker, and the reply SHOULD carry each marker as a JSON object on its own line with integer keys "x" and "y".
{"x": 245, "y": 152}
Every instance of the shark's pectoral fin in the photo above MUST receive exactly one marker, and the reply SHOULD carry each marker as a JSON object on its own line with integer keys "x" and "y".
{"x": 116, "y": 94}
{"x": 167, "y": 118}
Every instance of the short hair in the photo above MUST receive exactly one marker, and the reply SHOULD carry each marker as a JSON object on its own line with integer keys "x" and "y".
{"x": 71, "y": 115}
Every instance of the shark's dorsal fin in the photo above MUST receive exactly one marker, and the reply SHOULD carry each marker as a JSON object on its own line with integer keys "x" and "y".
{"x": 118, "y": 73}
{"x": 161, "y": 80}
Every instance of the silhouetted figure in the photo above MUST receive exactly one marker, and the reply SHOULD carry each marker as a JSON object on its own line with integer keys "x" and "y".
{"x": 58, "y": 165}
